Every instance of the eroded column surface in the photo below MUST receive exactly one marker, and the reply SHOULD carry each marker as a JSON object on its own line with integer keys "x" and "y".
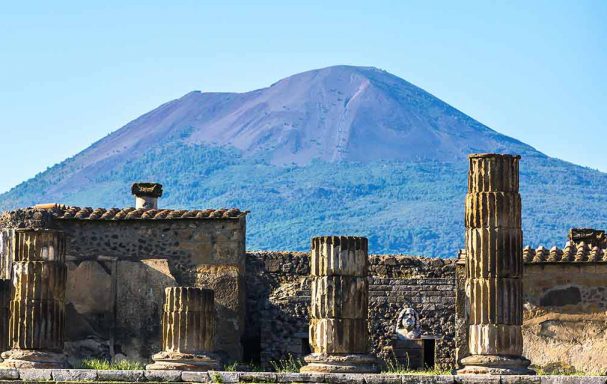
{"x": 338, "y": 313}
{"x": 494, "y": 266}
{"x": 37, "y": 303}
{"x": 5, "y": 299}
{"x": 188, "y": 324}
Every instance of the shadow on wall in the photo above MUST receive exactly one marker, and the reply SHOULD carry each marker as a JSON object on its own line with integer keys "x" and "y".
{"x": 114, "y": 308}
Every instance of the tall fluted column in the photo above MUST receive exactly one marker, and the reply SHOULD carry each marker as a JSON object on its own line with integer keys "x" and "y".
{"x": 5, "y": 299}
{"x": 338, "y": 314}
{"x": 188, "y": 330}
{"x": 37, "y": 305}
{"x": 494, "y": 266}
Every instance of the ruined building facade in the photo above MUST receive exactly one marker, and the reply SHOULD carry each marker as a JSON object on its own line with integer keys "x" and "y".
{"x": 119, "y": 262}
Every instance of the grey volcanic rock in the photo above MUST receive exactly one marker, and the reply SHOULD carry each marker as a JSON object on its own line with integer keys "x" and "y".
{"x": 332, "y": 114}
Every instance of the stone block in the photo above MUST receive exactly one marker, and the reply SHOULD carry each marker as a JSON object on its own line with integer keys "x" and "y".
{"x": 428, "y": 379}
{"x": 300, "y": 378}
{"x": 573, "y": 380}
{"x": 493, "y": 210}
{"x": 118, "y": 375}
{"x": 9, "y": 374}
{"x": 526, "y": 379}
{"x": 493, "y": 172}
{"x": 477, "y": 379}
{"x": 339, "y": 297}
{"x": 5, "y": 296}
{"x": 224, "y": 377}
{"x": 486, "y": 339}
{"x": 74, "y": 375}
{"x": 35, "y": 374}
{"x": 257, "y": 377}
{"x": 39, "y": 280}
{"x": 163, "y": 375}
{"x": 39, "y": 245}
{"x": 187, "y": 321}
{"x": 339, "y": 255}
{"x": 383, "y": 379}
{"x": 338, "y": 335}
{"x": 489, "y": 247}
{"x": 196, "y": 377}
{"x": 345, "y": 378}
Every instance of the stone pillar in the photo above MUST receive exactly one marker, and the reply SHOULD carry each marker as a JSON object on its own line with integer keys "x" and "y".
{"x": 5, "y": 299}
{"x": 461, "y": 309}
{"x": 188, "y": 331}
{"x": 338, "y": 313}
{"x": 494, "y": 267}
{"x": 37, "y": 305}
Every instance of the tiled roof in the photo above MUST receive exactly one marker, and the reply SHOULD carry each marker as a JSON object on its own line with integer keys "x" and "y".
{"x": 572, "y": 253}
{"x": 87, "y": 213}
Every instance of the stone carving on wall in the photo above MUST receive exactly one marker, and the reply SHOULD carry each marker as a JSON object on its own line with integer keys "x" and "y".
{"x": 407, "y": 325}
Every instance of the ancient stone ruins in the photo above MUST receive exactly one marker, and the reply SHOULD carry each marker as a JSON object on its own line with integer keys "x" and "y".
{"x": 178, "y": 291}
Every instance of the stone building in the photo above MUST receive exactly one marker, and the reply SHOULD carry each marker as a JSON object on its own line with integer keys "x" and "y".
{"x": 119, "y": 262}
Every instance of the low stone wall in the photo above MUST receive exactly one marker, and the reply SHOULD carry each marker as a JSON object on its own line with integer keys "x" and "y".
{"x": 278, "y": 289}
{"x": 100, "y": 376}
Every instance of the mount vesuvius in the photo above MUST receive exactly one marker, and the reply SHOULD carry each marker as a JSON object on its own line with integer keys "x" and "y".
{"x": 339, "y": 150}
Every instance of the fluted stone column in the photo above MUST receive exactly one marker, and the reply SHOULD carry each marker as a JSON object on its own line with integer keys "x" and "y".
{"x": 5, "y": 299}
{"x": 338, "y": 314}
{"x": 188, "y": 330}
{"x": 494, "y": 266}
{"x": 37, "y": 305}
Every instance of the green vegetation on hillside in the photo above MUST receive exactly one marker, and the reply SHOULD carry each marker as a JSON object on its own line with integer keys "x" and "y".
{"x": 412, "y": 208}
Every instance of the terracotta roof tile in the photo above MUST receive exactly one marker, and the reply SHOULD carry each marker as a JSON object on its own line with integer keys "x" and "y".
{"x": 87, "y": 213}
{"x": 572, "y": 253}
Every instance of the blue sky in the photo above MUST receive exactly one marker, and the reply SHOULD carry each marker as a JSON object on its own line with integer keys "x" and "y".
{"x": 72, "y": 71}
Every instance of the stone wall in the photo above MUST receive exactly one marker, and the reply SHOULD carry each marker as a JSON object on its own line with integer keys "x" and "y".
{"x": 565, "y": 312}
{"x": 147, "y": 256}
{"x": 278, "y": 287}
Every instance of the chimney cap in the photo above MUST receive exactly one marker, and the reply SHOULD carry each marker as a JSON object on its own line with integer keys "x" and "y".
{"x": 147, "y": 189}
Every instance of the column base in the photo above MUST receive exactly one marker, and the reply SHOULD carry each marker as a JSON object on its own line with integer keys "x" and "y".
{"x": 495, "y": 365}
{"x": 184, "y": 361}
{"x": 334, "y": 363}
{"x": 27, "y": 358}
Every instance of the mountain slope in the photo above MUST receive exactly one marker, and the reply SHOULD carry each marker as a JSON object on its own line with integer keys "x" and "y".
{"x": 337, "y": 150}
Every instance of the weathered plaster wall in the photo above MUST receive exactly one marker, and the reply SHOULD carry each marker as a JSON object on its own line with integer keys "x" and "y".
{"x": 278, "y": 289}
{"x": 565, "y": 316}
{"x": 151, "y": 255}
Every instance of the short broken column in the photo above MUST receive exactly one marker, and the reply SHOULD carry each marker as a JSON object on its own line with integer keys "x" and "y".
{"x": 37, "y": 305}
{"x": 188, "y": 331}
{"x": 494, "y": 267}
{"x": 338, "y": 313}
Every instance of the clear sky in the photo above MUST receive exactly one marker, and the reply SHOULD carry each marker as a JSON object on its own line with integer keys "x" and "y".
{"x": 73, "y": 71}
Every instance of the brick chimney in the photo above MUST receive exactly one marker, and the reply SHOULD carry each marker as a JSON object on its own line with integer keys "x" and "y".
{"x": 146, "y": 195}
